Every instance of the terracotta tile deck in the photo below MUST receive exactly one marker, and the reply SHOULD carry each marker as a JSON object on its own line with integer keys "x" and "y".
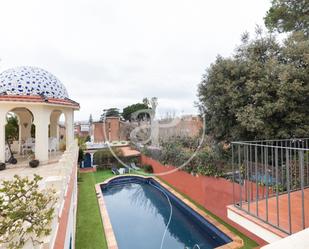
{"x": 128, "y": 152}
{"x": 296, "y": 210}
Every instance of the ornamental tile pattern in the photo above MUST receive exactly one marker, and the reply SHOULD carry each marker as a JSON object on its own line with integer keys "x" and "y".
{"x": 31, "y": 81}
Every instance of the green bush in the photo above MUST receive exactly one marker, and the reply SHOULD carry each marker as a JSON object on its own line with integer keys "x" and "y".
{"x": 134, "y": 160}
{"x": 177, "y": 151}
{"x": 148, "y": 168}
{"x": 81, "y": 154}
{"x": 154, "y": 153}
{"x": 104, "y": 158}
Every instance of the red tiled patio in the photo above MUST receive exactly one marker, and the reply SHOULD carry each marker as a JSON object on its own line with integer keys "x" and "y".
{"x": 283, "y": 217}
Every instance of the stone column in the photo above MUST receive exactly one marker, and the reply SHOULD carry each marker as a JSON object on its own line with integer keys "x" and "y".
{"x": 91, "y": 159}
{"x": 54, "y": 126}
{"x": 19, "y": 135}
{"x": 2, "y": 135}
{"x": 69, "y": 127}
{"x": 41, "y": 122}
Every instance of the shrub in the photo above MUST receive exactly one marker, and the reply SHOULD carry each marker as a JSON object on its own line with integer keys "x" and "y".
{"x": 207, "y": 163}
{"x": 81, "y": 154}
{"x": 134, "y": 160}
{"x": 104, "y": 158}
{"x": 26, "y": 212}
{"x": 172, "y": 153}
{"x": 148, "y": 168}
{"x": 208, "y": 160}
{"x": 154, "y": 153}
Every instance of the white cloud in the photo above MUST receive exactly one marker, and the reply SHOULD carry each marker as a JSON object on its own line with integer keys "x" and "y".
{"x": 115, "y": 52}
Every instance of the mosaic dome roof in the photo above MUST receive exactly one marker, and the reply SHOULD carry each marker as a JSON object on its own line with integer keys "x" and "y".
{"x": 31, "y": 81}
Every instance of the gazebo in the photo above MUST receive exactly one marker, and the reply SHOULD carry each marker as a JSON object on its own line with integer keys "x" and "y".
{"x": 38, "y": 98}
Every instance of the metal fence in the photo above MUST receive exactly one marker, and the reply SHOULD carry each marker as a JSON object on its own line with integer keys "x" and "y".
{"x": 270, "y": 180}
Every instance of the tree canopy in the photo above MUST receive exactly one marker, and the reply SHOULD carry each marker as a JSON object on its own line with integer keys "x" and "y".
{"x": 261, "y": 92}
{"x": 11, "y": 128}
{"x": 129, "y": 110}
{"x": 111, "y": 112}
{"x": 288, "y": 15}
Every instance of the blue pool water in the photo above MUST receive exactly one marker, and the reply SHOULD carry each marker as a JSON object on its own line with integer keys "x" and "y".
{"x": 140, "y": 212}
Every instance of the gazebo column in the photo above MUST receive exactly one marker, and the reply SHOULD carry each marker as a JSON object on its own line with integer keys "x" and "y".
{"x": 19, "y": 136}
{"x": 69, "y": 127}
{"x": 25, "y": 124}
{"x": 2, "y": 135}
{"x": 54, "y": 126}
{"x": 41, "y": 121}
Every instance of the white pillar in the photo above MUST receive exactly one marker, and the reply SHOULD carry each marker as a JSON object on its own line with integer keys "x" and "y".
{"x": 54, "y": 126}
{"x": 2, "y": 135}
{"x": 91, "y": 159}
{"x": 69, "y": 127}
{"x": 19, "y": 137}
{"x": 41, "y": 122}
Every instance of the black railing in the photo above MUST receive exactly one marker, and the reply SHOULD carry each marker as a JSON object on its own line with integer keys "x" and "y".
{"x": 270, "y": 177}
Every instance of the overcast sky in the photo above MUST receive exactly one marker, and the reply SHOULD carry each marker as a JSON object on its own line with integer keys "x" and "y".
{"x": 112, "y": 53}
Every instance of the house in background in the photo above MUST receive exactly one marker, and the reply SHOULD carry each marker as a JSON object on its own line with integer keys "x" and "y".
{"x": 186, "y": 125}
{"x": 107, "y": 130}
{"x": 111, "y": 130}
{"x": 82, "y": 129}
{"x": 114, "y": 129}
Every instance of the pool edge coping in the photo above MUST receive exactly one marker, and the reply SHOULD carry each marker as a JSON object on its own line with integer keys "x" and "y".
{"x": 111, "y": 241}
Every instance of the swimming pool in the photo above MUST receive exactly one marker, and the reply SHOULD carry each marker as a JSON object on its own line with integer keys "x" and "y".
{"x": 144, "y": 215}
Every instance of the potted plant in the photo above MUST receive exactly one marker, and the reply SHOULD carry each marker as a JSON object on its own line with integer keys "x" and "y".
{"x": 2, "y": 166}
{"x": 33, "y": 163}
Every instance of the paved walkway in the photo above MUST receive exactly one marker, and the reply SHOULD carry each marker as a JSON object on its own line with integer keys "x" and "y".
{"x": 22, "y": 168}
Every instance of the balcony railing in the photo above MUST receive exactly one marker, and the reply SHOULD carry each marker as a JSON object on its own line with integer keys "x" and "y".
{"x": 270, "y": 181}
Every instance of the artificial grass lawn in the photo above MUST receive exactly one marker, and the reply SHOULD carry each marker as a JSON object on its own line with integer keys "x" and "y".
{"x": 89, "y": 231}
{"x": 89, "y": 228}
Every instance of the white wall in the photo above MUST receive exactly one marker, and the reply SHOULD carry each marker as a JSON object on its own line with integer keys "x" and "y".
{"x": 252, "y": 227}
{"x": 298, "y": 240}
